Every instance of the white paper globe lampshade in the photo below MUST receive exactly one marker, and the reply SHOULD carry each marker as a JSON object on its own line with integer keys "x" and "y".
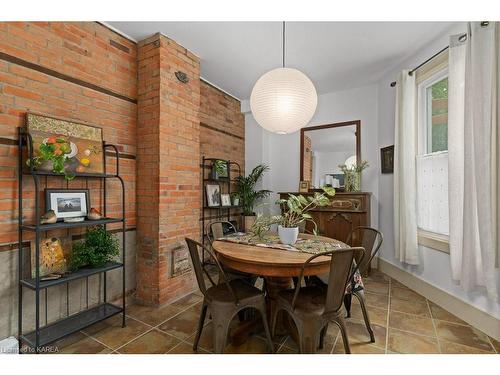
{"x": 283, "y": 100}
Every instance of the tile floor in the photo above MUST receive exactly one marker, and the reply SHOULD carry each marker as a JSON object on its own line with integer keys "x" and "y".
{"x": 402, "y": 320}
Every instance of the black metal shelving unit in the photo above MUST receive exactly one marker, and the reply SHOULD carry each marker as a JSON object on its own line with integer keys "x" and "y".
{"x": 220, "y": 212}
{"x": 50, "y": 332}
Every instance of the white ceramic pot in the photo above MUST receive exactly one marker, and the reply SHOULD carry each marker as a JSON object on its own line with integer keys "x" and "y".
{"x": 288, "y": 236}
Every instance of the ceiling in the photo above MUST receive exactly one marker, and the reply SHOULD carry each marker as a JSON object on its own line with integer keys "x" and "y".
{"x": 335, "y": 55}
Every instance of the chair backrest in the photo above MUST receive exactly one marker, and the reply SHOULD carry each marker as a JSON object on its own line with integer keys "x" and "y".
{"x": 218, "y": 229}
{"x": 340, "y": 270}
{"x": 193, "y": 247}
{"x": 368, "y": 238}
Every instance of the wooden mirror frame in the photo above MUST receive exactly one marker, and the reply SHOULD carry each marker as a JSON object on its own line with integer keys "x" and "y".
{"x": 328, "y": 126}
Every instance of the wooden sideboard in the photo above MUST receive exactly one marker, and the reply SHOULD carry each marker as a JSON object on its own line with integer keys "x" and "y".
{"x": 345, "y": 212}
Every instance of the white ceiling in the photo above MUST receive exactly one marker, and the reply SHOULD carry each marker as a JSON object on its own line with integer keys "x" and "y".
{"x": 335, "y": 55}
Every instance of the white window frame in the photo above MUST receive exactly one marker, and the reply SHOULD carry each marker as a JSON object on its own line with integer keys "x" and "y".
{"x": 436, "y": 241}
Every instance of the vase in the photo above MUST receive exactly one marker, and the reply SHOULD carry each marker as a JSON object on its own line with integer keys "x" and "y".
{"x": 288, "y": 236}
{"x": 352, "y": 181}
{"x": 236, "y": 201}
{"x": 249, "y": 220}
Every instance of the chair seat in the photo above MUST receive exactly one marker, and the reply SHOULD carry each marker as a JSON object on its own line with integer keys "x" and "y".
{"x": 244, "y": 291}
{"x": 311, "y": 300}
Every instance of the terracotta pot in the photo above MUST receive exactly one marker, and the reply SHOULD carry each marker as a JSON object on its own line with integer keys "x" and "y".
{"x": 288, "y": 236}
{"x": 248, "y": 222}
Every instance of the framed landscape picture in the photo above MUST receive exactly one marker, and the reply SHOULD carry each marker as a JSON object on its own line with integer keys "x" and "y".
{"x": 80, "y": 145}
{"x": 67, "y": 202}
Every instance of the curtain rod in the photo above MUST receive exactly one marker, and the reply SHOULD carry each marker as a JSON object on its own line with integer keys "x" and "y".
{"x": 461, "y": 38}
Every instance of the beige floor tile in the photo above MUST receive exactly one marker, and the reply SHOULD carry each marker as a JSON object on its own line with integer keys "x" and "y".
{"x": 405, "y": 342}
{"x": 376, "y": 286}
{"x": 357, "y": 348}
{"x": 329, "y": 340}
{"x": 253, "y": 345}
{"x": 153, "y": 342}
{"x": 453, "y": 348}
{"x": 111, "y": 333}
{"x": 358, "y": 334}
{"x": 464, "y": 335}
{"x": 375, "y": 300}
{"x": 411, "y": 323}
{"x": 416, "y": 307}
{"x": 182, "y": 325}
{"x": 496, "y": 344}
{"x": 152, "y": 315}
{"x": 441, "y": 314}
{"x": 376, "y": 315}
{"x": 187, "y": 301}
{"x": 206, "y": 338}
{"x": 406, "y": 294}
{"x": 397, "y": 284}
{"x": 378, "y": 276}
{"x": 185, "y": 348}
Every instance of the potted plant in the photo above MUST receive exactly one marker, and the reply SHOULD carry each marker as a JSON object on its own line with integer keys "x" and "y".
{"x": 248, "y": 195}
{"x": 295, "y": 211}
{"x": 235, "y": 199}
{"x": 98, "y": 247}
{"x": 219, "y": 169}
{"x": 352, "y": 175}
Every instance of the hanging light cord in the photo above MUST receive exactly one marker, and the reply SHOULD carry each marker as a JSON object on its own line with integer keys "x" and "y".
{"x": 283, "y": 44}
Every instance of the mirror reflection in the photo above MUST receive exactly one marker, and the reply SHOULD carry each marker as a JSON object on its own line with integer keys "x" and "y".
{"x": 324, "y": 150}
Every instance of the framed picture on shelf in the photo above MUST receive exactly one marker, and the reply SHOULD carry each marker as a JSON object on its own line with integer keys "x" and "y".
{"x": 213, "y": 195}
{"x": 53, "y": 255}
{"x": 303, "y": 186}
{"x": 387, "y": 159}
{"x": 56, "y": 142}
{"x": 225, "y": 200}
{"x": 67, "y": 203}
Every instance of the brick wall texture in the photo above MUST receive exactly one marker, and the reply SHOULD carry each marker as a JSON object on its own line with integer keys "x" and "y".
{"x": 159, "y": 124}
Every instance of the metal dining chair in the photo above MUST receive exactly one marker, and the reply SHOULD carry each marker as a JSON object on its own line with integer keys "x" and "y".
{"x": 371, "y": 240}
{"x": 225, "y": 299}
{"x": 313, "y": 307}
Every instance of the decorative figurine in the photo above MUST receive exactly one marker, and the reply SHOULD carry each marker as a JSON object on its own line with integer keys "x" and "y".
{"x": 94, "y": 214}
{"x": 49, "y": 218}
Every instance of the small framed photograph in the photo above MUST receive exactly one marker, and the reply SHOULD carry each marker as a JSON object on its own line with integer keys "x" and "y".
{"x": 225, "y": 200}
{"x": 304, "y": 186}
{"x": 213, "y": 195}
{"x": 387, "y": 159}
{"x": 67, "y": 203}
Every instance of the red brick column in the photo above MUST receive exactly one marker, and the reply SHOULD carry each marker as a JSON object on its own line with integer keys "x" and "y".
{"x": 168, "y": 174}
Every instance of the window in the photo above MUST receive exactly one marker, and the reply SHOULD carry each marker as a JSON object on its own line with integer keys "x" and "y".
{"x": 432, "y": 161}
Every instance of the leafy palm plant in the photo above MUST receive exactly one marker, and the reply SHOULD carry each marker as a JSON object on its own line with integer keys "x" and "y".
{"x": 246, "y": 189}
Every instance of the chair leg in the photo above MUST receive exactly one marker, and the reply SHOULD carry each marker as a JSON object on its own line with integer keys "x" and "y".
{"x": 322, "y": 336}
{"x": 201, "y": 323}
{"x": 263, "y": 314}
{"x": 347, "y": 304}
{"x": 340, "y": 322}
{"x": 308, "y": 337}
{"x": 221, "y": 327}
{"x": 361, "y": 299}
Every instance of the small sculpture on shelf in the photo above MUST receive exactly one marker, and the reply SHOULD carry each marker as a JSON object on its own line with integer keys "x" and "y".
{"x": 49, "y": 217}
{"x": 94, "y": 214}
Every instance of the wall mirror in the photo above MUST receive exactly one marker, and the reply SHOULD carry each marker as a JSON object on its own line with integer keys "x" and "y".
{"x": 324, "y": 147}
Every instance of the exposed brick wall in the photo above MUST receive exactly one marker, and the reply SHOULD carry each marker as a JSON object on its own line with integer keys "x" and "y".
{"x": 167, "y": 168}
{"x": 83, "y": 51}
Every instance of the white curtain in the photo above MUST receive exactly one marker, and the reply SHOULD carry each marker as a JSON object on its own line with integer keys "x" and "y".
{"x": 473, "y": 169}
{"x": 405, "y": 148}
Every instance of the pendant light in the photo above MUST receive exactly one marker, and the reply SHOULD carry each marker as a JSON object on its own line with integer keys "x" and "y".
{"x": 283, "y": 100}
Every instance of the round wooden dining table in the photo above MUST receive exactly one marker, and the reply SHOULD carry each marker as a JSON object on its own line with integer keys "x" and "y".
{"x": 276, "y": 266}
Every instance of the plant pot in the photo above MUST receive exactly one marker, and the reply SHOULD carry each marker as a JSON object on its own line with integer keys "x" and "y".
{"x": 288, "y": 236}
{"x": 248, "y": 222}
{"x": 46, "y": 166}
{"x": 236, "y": 201}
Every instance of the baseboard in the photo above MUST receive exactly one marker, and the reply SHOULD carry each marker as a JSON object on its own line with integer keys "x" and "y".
{"x": 468, "y": 313}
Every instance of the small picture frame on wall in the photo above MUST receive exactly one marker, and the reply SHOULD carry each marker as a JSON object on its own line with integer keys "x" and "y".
{"x": 387, "y": 159}
{"x": 67, "y": 203}
{"x": 213, "y": 195}
{"x": 304, "y": 186}
{"x": 225, "y": 200}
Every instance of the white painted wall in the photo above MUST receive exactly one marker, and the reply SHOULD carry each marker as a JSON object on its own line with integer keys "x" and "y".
{"x": 435, "y": 265}
{"x": 282, "y": 152}
{"x": 374, "y": 106}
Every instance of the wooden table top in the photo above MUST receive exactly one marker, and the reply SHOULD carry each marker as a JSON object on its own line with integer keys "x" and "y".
{"x": 270, "y": 262}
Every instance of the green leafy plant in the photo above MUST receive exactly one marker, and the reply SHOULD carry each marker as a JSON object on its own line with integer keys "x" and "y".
{"x": 262, "y": 224}
{"x": 54, "y": 150}
{"x": 220, "y": 166}
{"x": 98, "y": 247}
{"x": 358, "y": 168}
{"x": 352, "y": 175}
{"x": 246, "y": 189}
{"x": 296, "y": 207}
